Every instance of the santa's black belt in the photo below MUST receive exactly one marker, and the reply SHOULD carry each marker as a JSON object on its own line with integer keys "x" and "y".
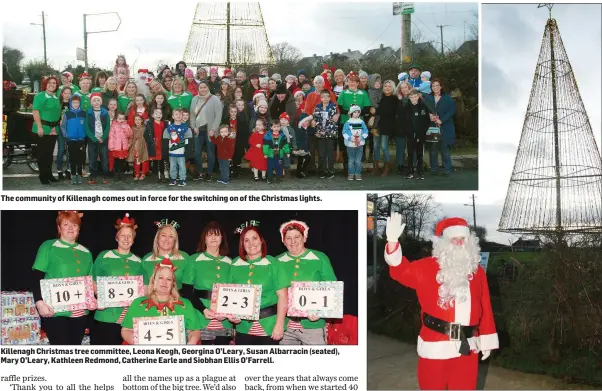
{"x": 455, "y": 331}
{"x": 203, "y": 294}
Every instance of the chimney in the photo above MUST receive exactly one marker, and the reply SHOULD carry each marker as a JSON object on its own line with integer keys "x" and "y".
{"x": 314, "y": 55}
{"x": 348, "y": 50}
{"x": 382, "y": 46}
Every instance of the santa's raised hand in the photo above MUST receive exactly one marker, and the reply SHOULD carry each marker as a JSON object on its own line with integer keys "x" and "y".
{"x": 395, "y": 227}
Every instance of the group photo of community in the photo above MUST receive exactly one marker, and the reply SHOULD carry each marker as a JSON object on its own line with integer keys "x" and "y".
{"x": 244, "y": 112}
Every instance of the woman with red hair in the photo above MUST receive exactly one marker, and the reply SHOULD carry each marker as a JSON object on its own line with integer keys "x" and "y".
{"x": 254, "y": 267}
{"x": 62, "y": 258}
{"x": 46, "y": 121}
{"x": 118, "y": 262}
{"x": 211, "y": 265}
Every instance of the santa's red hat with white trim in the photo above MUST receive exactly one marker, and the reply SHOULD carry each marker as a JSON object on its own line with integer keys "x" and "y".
{"x": 299, "y": 225}
{"x": 452, "y": 227}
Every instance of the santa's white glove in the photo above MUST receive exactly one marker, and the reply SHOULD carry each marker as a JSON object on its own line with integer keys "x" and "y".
{"x": 486, "y": 354}
{"x": 394, "y": 227}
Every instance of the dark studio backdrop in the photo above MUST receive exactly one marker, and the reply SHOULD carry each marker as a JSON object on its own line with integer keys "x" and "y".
{"x": 333, "y": 232}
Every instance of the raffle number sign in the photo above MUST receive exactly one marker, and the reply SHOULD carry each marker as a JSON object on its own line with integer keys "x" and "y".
{"x": 322, "y": 298}
{"x": 239, "y": 300}
{"x": 160, "y": 330}
{"x": 68, "y": 294}
{"x": 118, "y": 291}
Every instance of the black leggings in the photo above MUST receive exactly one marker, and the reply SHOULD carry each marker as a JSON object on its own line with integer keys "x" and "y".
{"x": 157, "y": 166}
{"x": 65, "y": 331}
{"x": 103, "y": 333}
{"x": 45, "y": 154}
{"x": 77, "y": 155}
{"x": 246, "y": 339}
{"x": 119, "y": 166}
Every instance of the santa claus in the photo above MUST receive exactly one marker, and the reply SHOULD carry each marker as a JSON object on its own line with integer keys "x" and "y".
{"x": 457, "y": 320}
{"x": 142, "y": 81}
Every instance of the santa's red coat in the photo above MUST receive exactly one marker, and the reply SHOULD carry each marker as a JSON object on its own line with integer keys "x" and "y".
{"x": 475, "y": 311}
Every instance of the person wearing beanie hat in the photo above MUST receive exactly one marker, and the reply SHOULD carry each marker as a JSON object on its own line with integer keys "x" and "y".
{"x": 355, "y": 134}
{"x": 191, "y": 84}
{"x": 62, "y": 327}
{"x": 97, "y": 131}
{"x": 277, "y": 78}
{"x": 283, "y": 102}
{"x": 289, "y": 132}
{"x": 228, "y": 73}
{"x": 302, "y": 264}
{"x": 250, "y": 86}
{"x": 425, "y": 83}
{"x": 303, "y": 151}
{"x": 414, "y": 76}
{"x": 214, "y": 80}
{"x": 457, "y": 317}
{"x": 326, "y": 117}
{"x": 161, "y": 301}
{"x": 275, "y": 149}
{"x": 118, "y": 262}
{"x": 301, "y": 76}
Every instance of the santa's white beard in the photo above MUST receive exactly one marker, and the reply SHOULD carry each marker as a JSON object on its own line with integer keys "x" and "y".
{"x": 457, "y": 265}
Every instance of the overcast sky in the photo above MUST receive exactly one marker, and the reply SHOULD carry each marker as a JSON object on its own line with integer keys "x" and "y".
{"x": 356, "y": 26}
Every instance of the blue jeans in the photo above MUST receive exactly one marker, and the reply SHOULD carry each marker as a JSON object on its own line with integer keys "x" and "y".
{"x": 200, "y": 141}
{"x": 355, "y": 160}
{"x": 381, "y": 141}
{"x": 177, "y": 168}
{"x": 62, "y": 150}
{"x": 97, "y": 150}
{"x": 274, "y": 163}
{"x": 400, "y": 151}
{"x": 442, "y": 148}
{"x": 224, "y": 170}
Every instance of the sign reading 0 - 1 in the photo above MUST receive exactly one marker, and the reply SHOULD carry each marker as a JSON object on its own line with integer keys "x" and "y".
{"x": 240, "y": 300}
{"x": 160, "y": 330}
{"x": 322, "y": 298}
{"x": 118, "y": 291}
{"x": 69, "y": 294}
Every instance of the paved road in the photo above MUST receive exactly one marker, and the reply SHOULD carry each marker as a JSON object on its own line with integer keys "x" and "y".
{"x": 465, "y": 177}
{"x": 392, "y": 366}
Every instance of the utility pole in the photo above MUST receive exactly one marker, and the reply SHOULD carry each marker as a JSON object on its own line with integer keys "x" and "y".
{"x": 374, "y": 241}
{"x": 474, "y": 213}
{"x": 43, "y": 35}
{"x": 441, "y": 28}
{"x": 228, "y": 64}
{"x": 406, "y": 38}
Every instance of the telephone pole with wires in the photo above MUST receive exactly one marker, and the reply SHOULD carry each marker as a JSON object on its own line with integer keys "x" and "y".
{"x": 441, "y": 28}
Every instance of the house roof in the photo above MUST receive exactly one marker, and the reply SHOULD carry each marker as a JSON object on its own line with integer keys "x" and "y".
{"x": 353, "y": 55}
{"x": 527, "y": 242}
{"x": 469, "y": 47}
{"x": 380, "y": 52}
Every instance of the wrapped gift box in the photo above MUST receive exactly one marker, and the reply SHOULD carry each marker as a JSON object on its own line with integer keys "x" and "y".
{"x": 17, "y": 305}
{"x": 24, "y": 330}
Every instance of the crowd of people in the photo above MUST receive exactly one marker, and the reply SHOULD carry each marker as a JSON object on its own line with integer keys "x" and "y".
{"x": 151, "y": 122}
{"x": 177, "y": 283}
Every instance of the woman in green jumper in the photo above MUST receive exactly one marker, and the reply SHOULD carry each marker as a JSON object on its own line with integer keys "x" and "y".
{"x": 166, "y": 245}
{"x": 179, "y": 98}
{"x": 62, "y": 258}
{"x": 253, "y": 266}
{"x": 163, "y": 299}
{"x": 207, "y": 267}
{"x": 46, "y": 121}
{"x": 127, "y": 98}
{"x": 302, "y": 264}
{"x": 117, "y": 262}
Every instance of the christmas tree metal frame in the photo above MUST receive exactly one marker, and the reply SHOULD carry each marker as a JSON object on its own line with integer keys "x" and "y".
{"x": 228, "y": 34}
{"x": 556, "y": 184}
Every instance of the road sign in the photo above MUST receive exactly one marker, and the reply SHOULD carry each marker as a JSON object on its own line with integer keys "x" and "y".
{"x": 407, "y": 8}
{"x": 80, "y": 54}
{"x": 370, "y": 207}
{"x": 484, "y": 260}
{"x": 396, "y": 8}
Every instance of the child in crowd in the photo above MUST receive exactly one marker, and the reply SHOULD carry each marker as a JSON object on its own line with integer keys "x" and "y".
{"x": 189, "y": 148}
{"x": 239, "y": 130}
{"x": 355, "y": 134}
{"x": 99, "y": 81}
{"x": 97, "y": 132}
{"x": 275, "y": 148}
{"x": 289, "y": 132}
{"x": 159, "y": 101}
{"x": 139, "y": 150}
{"x": 416, "y": 121}
{"x": 375, "y": 93}
{"x": 191, "y": 85}
{"x": 112, "y": 108}
{"x": 73, "y": 129}
{"x": 85, "y": 83}
{"x": 177, "y": 144}
{"x": 119, "y": 143}
{"x": 62, "y": 149}
{"x": 121, "y": 66}
{"x": 138, "y": 108}
{"x": 153, "y": 134}
{"x": 225, "y": 150}
{"x": 425, "y": 86}
{"x": 304, "y": 130}
{"x": 255, "y": 155}
{"x": 326, "y": 133}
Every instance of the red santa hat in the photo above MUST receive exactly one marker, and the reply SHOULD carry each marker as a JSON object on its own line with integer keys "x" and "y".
{"x": 258, "y": 93}
{"x": 95, "y": 95}
{"x": 298, "y": 91}
{"x": 126, "y": 221}
{"x": 68, "y": 75}
{"x": 227, "y": 72}
{"x": 84, "y": 76}
{"x": 300, "y": 225}
{"x": 285, "y": 116}
{"x": 166, "y": 262}
{"x": 144, "y": 71}
{"x": 452, "y": 227}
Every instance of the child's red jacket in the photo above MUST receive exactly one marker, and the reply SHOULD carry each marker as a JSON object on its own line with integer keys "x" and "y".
{"x": 225, "y": 147}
